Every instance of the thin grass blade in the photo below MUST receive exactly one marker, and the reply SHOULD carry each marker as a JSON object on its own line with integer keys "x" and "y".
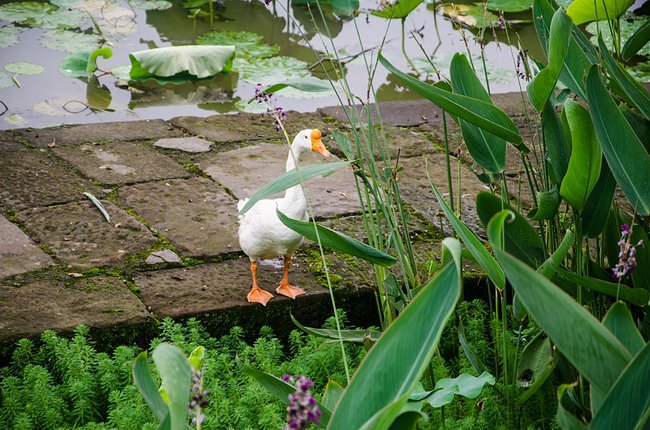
{"x": 99, "y": 206}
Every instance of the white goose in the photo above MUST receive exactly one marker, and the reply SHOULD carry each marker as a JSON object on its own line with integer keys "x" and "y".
{"x": 262, "y": 234}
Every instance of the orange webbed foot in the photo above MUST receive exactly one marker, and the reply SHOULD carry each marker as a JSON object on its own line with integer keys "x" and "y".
{"x": 289, "y": 291}
{"x": 258, "y": 295}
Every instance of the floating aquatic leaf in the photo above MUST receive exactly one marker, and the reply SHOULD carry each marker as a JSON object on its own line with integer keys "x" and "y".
{"x": 59, "y": 19}
{"x": 640, "y": 72}
{"x": 24, "y": 68}
{"x": 70, "y": 41}
{"x": 53, "y": 107}
{"x": 150, "y": 4}
{"x": 508, "y": 5}
{"x": 247, "y": 45}
{"x": 5, "y": 80}
{"x": 122, "y": 72}
{"x": 469, "y": 15}
{"x": 24, "y": 11}
{"x": 113, "y": 20}
{"x": 15, "y": 119}
{"x": 269, "y": 71}
{"x": 200, "y": 61}
{"x": 397, "y": 10}
{"x": 9, "y": 35}
{"x": 628, "y": 26}
{"x": 74, "y": 65}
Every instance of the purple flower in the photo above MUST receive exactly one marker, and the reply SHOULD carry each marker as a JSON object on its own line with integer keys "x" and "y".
{"x": 275, "y": 112}
{"x": 302, "y": 409}
{"x": 199, "y": 399}
{"x": 626, "y": 254}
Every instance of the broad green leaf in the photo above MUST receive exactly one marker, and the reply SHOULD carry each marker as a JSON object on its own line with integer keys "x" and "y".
{"x": 637, "y": 41}
{"x": 24, "y": 68}
{"x": 637, "y": 296}
{"x": 398, "y": 10}
{"x": 521, "y": 239}
{"x": 586, "y": 156}
{"x": 477, "y": 112}
{"x": 594, "y": 214}
{"x": 558, "y": 149}
{"x": 196, "y": 358}
{"x": 60, "y": 19}
{"x": 98, "y": 96}
{"x": 91, "y": 66}
{"x": 632, "y": 89}
{"x": 332, "y": 394}
{"x": 384, "y": 419}
{"x": 627, "y": 405}
{"x": 580, "y": 55}
{"x": 269, "y": 71}
{"x": 509, "y": 5}
{"x": 407, "y": 420}
{"x": 74, "y": 65}
{"x": 344, "y": 144}
{"x": 620, "y": 322}
{"x": 281, "y": 390}
{"x": 148, "y": 388}
{"x": 70, "y": 41}
{"x": 535, "y": 366}
{"x": 472, "y": 242}
{"x": 582, "y": 11}
{"x": 309, "y": 84}
{"x": 290, "y": 179}
{"x": 548, "y": 203}
{"x": 150, "y": 4}
{"x": 488, "y": 150}
{"x": 542, "y": 85}
{"x": 547, "y": 268}
{"x": 197, "y": 60}
{"x": 592, "y": 349}
{"x": 25, "y": 11}
{"x": 393, "y": 366}
{"x": 355, "y": 336}
{"x": 176, "y": 375}
{"x": 565, "y": 420}
{"x": 474, "y": 359}
{"x": 463, "y": 385}
{"x": 9, "y": 35}
{"x": 337, "y": 241}
{"x": 641, "y": 275}
{"x": 247, "y": 45}
{"x": 640, "y": 125}
{"x": 626, "y": 156}
{"x": 469, "y": 15}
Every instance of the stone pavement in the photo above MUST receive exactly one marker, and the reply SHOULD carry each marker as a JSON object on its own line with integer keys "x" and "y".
{"x": 170, "y": 247}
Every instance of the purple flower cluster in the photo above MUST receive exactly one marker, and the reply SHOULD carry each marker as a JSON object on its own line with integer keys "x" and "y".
{"x": 275, "y": 112}
{"x": 521, "y": 66}
{"x": 302, "y": 409}
{"x": 627, "y": 253}
{"x": 199, "y": 399}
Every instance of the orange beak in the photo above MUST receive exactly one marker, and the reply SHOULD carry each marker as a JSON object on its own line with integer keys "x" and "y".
{"x": 317, "y": 143}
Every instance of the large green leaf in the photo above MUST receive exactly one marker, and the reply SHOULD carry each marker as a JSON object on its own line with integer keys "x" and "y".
{"x": 535, "y": 366}
{"x": 620, "y": 322}
{"x": 626, "y": 156}
{"x": 637, "y": 296}
{"x": 509, "y": 5}
{"x": 148, "y": 388}
{"x": 176, "y": 375}
{"x": 548, "y": 203}
{"x": 542, "y": 85}
{"x": 632, "y": 89}
{"x": 290, "y": 179}
{"x": 594, "y": 215}
{"x": 478, "y": 112}
{"x": 641, "y": 275}
{"x": 583, "y": 340}
{"x": 586, "y": 156}
{"x": 463, "y": 385}
{"x": 582, "y": 11}
{"x": 398, "y": 10}
{"x": 488, "y": 150}
{"x": 627, "y": 405}
{"x": 472, "y": 242}
{"x": 394, "y": 365}
{"x": 337, "y": 241}
{"x": 248, "y": 45}
{"x": 308, "y": 84}
{"x": 580, "y": 56}
{"x": 281, "y": 390}
{"x": 200, "y": 61}
{"x": 355, "y": 336}
{"x": 520, "y": 237}
{"x": 558, "y": 149}
{"x": 638, "y": 40}
{"x": 547, "y": 268}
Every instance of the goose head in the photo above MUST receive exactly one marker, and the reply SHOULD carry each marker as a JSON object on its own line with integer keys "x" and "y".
{"x": 309, "y": 140}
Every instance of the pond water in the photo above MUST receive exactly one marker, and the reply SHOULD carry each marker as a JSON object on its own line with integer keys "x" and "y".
{"x": 49, "y": 98}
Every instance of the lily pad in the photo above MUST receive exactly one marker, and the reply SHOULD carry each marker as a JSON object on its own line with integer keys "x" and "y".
{"x": 640, "y": 72}
{"x": 9, "y": 35}
{"x": 5, "y": 80}
{"x": 54, "y": 107}
{"x": 248, "y": 45}
{"x": 469, "y": 15}
{"x": 74, "y": 65}
{"x": 15, "y": 119}
{"x": 150, "y": 4}
{"x": 122, "y": 72}
{"x": 113, "y": 20}
{"x": 70, "y": 41}
{"x": 200, "y": 61}
{"x": 398, "y": 10}
{"x": 25, "y": 11}
{"x": 509, "y": 5}
{"x": 629, "y": 25}
{"x": 269, "y": 71}
{"x": 24, "y": 68}
{"x": 60, "y": 19}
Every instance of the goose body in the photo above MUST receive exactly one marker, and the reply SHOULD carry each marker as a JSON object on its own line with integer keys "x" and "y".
{"x": 262, "y": 234}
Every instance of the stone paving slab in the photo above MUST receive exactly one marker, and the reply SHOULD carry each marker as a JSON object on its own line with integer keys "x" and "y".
{"x": 195, "y": 214}
{"x": 399, "y": 141}
{"x": 185, "y": 144}
{"x": 211, "y": 287}
{"x": 52, "y": 305}
{"x": 121, "y": 163}
{"x": 18, "y": 253}
{"x": 78, "y": 234}
{"x": 243, "y": 171}
{"x": 416, "y": 190}
{"x": 102, "y": 132}
{"x": 29, "y": 179}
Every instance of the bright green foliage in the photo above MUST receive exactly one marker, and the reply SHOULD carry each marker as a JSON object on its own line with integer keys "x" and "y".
{"x": 247, "y": 45}
{"x": 398, "y": 10}
{"x": 582, "y": 11}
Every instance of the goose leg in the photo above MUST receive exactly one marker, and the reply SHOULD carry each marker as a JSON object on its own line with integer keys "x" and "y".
{"x": 257, "y": 295}
{"x": 285, "y": 289}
